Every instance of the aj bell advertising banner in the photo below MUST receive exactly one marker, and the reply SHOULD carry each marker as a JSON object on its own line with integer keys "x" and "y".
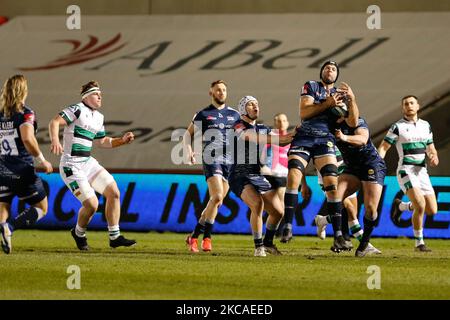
{"x": 173, "y": 202}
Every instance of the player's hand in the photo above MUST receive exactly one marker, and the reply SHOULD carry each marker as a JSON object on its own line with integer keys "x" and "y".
{"x": 345, "y": 90}
{"x": 48, "y": 168}
{"x": 434, "y": 160}
{"x": 339, "y": 135}
{"x": 191, "y": 158}
{"x": 56, "y": 148}
{"x": 334, "y": 100}
{"x": 128, "y": 137}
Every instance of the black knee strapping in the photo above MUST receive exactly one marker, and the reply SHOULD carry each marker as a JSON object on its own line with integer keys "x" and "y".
{"x": 296, "y": 164}
{"x": 330, "y": 188}
{"x": 329, "y": 170}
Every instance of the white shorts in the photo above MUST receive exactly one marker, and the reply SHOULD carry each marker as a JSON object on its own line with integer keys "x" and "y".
{"x": 85, "y": 178}
{"x": 414, "y": 177}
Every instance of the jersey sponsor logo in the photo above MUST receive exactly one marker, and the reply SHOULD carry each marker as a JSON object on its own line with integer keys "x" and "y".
{"x": 220, "y": 115}
{"x": 370, "y": 171}
{"x": 230, "y": 118}
{"x": 211, "y": 118}
{"x": 330, "y": 144}
{"x": 8, "y": 125}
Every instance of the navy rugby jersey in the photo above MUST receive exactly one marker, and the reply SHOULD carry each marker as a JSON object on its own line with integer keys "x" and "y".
{"x": 354, "y": 155}
{"x": 319, "y": 125}
{"x": 247, "y": 156}
{"x": 11, "y": 141}
{"x": 220, "y": 122}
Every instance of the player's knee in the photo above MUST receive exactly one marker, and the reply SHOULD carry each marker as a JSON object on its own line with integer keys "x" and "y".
{"x": 112, "y": 192}
{"x": 91, "y": 204}
{"x": 217, "y": 199}
{"x": 297, "y": 165}
{"x": 420, "y": 205}
{"x": 329, "y": 170}
{"x": 371, "y": 211}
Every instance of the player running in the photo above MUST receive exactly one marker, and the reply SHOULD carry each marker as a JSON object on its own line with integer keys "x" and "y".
{"x": 82, "y": 174}
{"x": 246, "y": 180}
{"x": 315, "y": 140}
{"x": 414, "y": 141}
{"x": 17, "y": 173}
{"x": 214, "y": 122}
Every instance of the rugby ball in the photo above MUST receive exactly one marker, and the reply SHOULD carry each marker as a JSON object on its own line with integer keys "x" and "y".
{"x": 340, "y": 110}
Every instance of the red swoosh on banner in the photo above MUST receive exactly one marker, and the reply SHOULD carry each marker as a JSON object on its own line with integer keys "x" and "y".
{"x": 88, "y": 52}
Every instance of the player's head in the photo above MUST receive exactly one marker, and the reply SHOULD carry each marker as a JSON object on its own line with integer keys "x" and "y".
{"x": 329, "y": 73}
{"x": 280, "y": 122}
{"x": 248, "y": 106}
{"x": 91, "y": 94}
{"x": 218, "y": 92}
{"x": 410, "y": 105}
{"x": 14, "y": 94}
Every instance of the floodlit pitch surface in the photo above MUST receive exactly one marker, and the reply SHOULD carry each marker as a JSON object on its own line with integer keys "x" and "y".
{"x": 160, "y": 267}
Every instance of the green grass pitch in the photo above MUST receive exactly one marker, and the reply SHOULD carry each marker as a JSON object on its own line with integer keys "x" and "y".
{"x": 160, "y": 267}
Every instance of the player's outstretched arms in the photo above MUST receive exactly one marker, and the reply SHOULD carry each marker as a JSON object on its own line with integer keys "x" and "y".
{"x": 109, "y": 142}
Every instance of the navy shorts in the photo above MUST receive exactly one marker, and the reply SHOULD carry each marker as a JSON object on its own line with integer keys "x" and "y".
{"x": 307, "y": 147}
{"x": 221, "y": 170}
{"x": 20, "y": 179}
{"x": 372, "y": 172}
{"x": 276, "y": 182}
{"x": 238, "y": 183}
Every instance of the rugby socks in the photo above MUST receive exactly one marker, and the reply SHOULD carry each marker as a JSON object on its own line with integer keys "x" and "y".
{"x": 405, "y": 206}
{"x": 80, "y": 232}
{"x": 290, "y": 204}
{"x": 356, "y": 229}
{"x": 345, "y": 230}
{"x": 418, "y": 237}
{"x": 257, "y": 239}
{"x": 369, "y": 225}
{"x": 334, "y": 211}
{"x": 208, "y": 228}
{"x": 27, "y": 217}
{"x": 114, "y": 232}
{"x": 199, "y": 229}
{"x": 270, "y": 233}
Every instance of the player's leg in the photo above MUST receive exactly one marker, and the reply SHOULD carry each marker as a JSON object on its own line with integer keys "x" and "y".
{"x": 296, "y": 166}
{"x": 327, "y": 167}
{"x": 103, "y": 182}
{"x": 372, "y": 195}
{"x": 418, "y": 203}
{"x": 5, "y": 232}
{"x": 274, "y": 207}
{"x": 348, "y": 185}
{"x": 255, "y": 202}
{"x": 351, "y": 205}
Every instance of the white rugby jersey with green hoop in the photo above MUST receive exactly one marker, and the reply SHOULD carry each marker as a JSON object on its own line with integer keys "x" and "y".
{"x": 411, "y": 139}
{"x": 83, "y": 126}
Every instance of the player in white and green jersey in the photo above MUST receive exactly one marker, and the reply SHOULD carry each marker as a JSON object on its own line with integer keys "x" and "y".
{"x": 82, "y": 174}
{"x": 414, "y": 141}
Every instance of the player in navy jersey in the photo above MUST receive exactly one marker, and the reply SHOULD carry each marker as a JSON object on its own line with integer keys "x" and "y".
{"x": 18, "y": 148}
{"x": 246, "y": 179}
{"x": 363, "y": 168}
{"x": 214, "y": 122}
{"x": 315, "y": 140}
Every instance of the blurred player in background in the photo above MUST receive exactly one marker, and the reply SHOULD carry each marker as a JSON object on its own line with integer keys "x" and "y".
{"x": 17, "y": 173}
{"x": 246, "y": 180}
{"x": 214, "y": 120}
{"x": 276, "y": 170}
{"x": 414, "y": 141}
{"x": 315, "y": 140}
{"x": 82, "y": 174}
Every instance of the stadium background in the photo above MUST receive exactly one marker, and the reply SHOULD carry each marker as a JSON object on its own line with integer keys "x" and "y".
{"x": 155, "y": 60}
